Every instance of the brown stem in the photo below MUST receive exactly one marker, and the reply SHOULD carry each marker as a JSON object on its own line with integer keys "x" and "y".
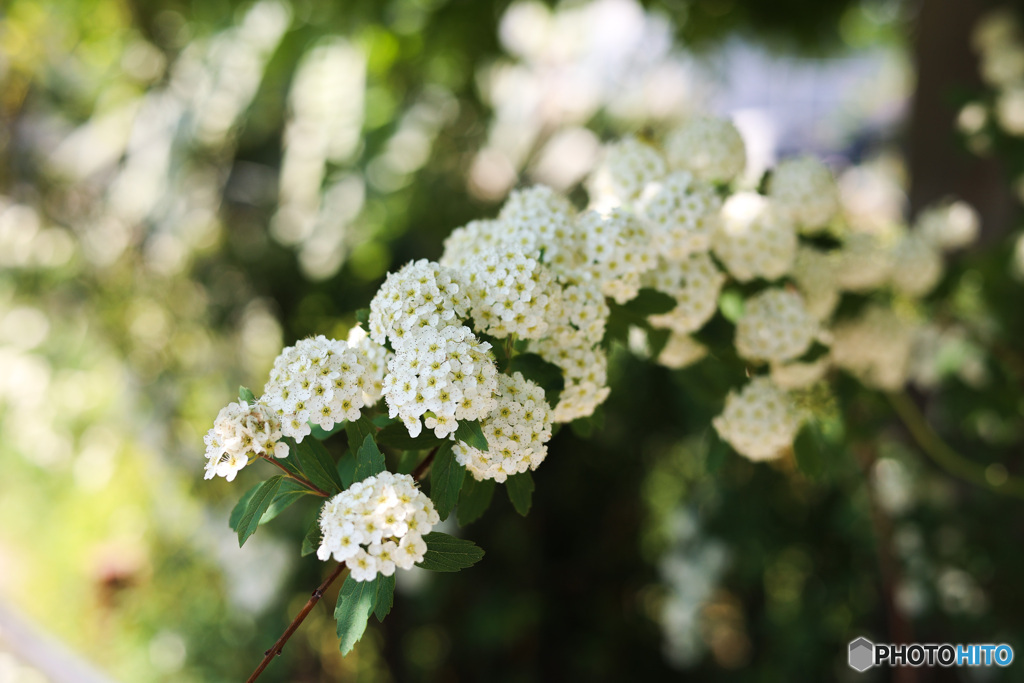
{"x": 888, "y": 566}
{"x": 305, "y": 482}
{"x": 277, "y": 647}
{"x": 421, "y": 469}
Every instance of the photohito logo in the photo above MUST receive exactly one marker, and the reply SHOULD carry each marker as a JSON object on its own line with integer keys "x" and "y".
{"x": 864, "y": 654}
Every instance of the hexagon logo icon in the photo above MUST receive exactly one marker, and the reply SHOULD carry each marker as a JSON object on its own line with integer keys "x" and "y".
{"x": 862, "y": 654}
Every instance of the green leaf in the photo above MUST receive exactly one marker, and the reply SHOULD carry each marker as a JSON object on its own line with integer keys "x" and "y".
{"x": 731, "y": 304}
{"x": 355, "y": 603}
{"x": 311, "y": 541}
{"x": 449, "y": 554}
{"x": 385, "y": 596}
{"x": 396, "y": 435}
{"x": 446, "y": 477}
{"x": 520, "y": 491}
{"x": 262, "y": 497}
{"x": 408, "y": 461}
{"x": 363, "y": 317}
{"x": 318, "y": 465}
{"x": 471, "y": 434}
{"x": 347, "y": 468}
{"x": 807, "y": 448}
{"x": 716, "y": 451}
{"x": 246, "y": 395}
{"x": 650, "y": 302}
{"x": 474, "y": 500}
{"x": 358, "y": 431}
{"x": 239, "y": 509}
{"x": 319, "y": 433}
{"x": 547, "y": 375}
{"x": 369, "y": 460}
{"x": 289, "y": 492}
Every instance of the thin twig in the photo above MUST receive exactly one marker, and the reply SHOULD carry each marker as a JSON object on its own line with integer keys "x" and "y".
{"x": 421, "y": 469}
{"x": 305, "y": 482}
{"x": 939, "y": 451}
{"x": 277, "y": 647}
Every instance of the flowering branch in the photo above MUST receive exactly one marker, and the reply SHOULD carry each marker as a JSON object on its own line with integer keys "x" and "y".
{"x": 951, "y": 461}
{"x": 277, "y": 647}
{"x": 305, "y": 482}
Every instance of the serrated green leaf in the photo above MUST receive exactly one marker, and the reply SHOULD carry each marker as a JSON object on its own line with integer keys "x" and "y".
{"x": 474, "y": 500}
{"x": 520, "y": 491}
{"x": 358, "y": 431}
{"x": 546, "y": 375}
{"x": 261, "y": 499}
{"x": 369, "y": 459}
{"x": 347, "y": 468}
{"x": 650, "y": 302}
{"x": 355, "y": 603}
{"x": 289, "y": 492}
{"x": 446, "y": 477}
{"x": 246, "y": 395}
{"x": 807, "y": 449}
{"x": 318, "y": 465}
{"x": 385, "y": 596}
{"x": 471, "y": 434}
{"x": 396, "y": 435}
{"x": 449, "y": 554}
{"x": 311, "y": 541}
{"x": 239, "y": 509}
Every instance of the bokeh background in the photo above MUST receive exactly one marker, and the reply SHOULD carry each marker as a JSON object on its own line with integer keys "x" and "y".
{"x": 189, "y": 186}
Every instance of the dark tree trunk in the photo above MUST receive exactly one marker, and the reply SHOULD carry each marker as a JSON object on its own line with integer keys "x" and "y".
{"x": 939, "y": 164}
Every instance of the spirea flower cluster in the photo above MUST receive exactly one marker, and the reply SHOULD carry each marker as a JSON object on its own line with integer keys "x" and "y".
{"x": 241, "y": 433}
{"x": 377, "y": 525}
{"x": 760, "y": 421}
{"x": 517, "y": 431}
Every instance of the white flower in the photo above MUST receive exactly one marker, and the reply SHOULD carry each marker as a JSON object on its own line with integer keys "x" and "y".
{"x": 775, "y": 327}
{"x": 517, "y": 432}
{"x": 510, "y": 294}
{"x": 373, "y": 359}
{"x": 814, "y": 273}
{"x": 377, "y": 525}
{"x": 618, "y": 250}
{"x": 753, "y": 239}
{"x": 805, "y": 192}
{"x": 318, "y": 380}
{"x": 760, "y": 421}
{"x": 711, "y": 148}
{"x": 242, "y": 432}
{"x": 865, "y": 261}
{"x": 681, "y": 351}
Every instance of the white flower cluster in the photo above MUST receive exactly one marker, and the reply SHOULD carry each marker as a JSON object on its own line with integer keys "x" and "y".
{"x": 629, "y": 166}
{"x": 517, "y": 432}
{"x": 443, "y": 376}
{"x": 242, "y": 432}
{"x": 377, "y": 525}
{"x": 511, "y": 294}
{"x": 695, "y": 283}
{"x": 804, "y": 192}
{"x": 775, "y": 327}
{"x": 683, "y": 212}
{"x": 711, "y": 148}
{"x": 760, "y": 421}
{"x": 318, "y": 380}
{"x": 422, "y": 294}
{"x": 875, "y": 347}
{"x": 617, "y": 251}
{"x": 999, "y": 41}
{"x": 754, "y": 240}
